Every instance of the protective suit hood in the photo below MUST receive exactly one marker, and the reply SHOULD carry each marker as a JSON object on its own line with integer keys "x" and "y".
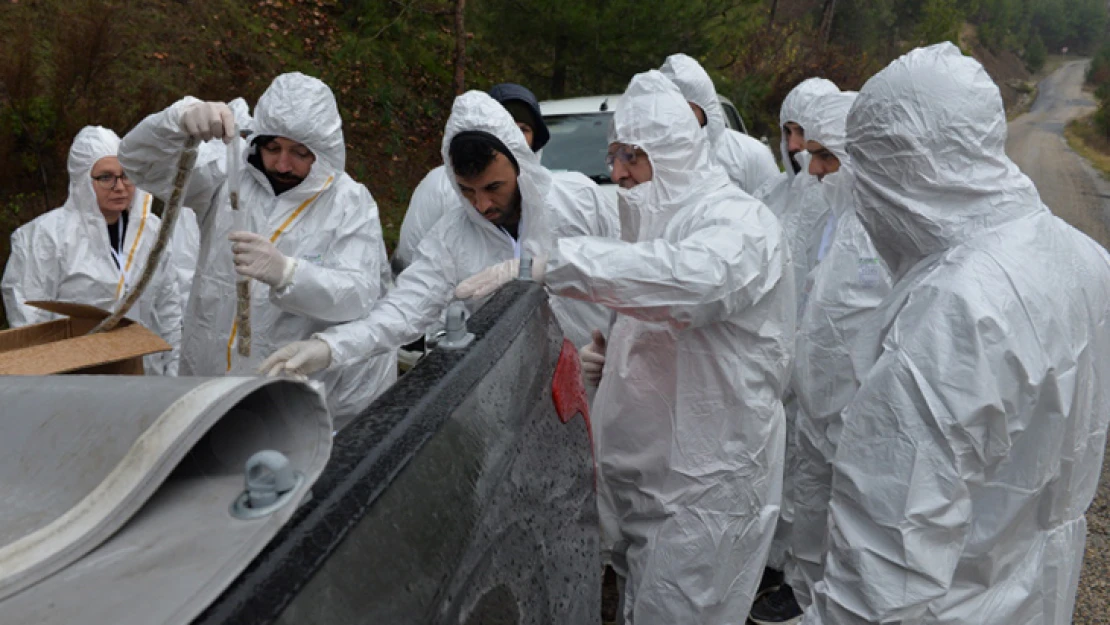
{"x": 90, "y": 145}
{"x": 828, "y": 118}
{"x": 697, "y": 87}
{"x": 654, "y": 115}
{"x": 507, "y": 92}
{"x": 796, "y": 108}
{"x": 919, "y": 190}
{"x": 303, "y": 108}
{"x": 477, "y": 111}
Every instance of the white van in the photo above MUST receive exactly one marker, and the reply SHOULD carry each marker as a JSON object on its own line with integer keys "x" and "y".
{"x": 579, "y": 134}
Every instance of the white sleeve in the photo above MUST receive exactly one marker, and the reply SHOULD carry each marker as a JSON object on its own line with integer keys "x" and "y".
{"x": 29, "y": 278}
{"x": 409, "y": 309}
{"x": 149, "y": 155}
{"x": 430, "y": 201}
{"x": 711, "y": 273}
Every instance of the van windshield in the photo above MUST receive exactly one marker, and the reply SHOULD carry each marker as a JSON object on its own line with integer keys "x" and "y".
{"x": 579, "y": 143}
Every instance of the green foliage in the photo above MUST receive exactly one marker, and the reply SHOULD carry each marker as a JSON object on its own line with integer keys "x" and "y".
{"x": 939, "y": 20}
{"x": 1035, "y": 53}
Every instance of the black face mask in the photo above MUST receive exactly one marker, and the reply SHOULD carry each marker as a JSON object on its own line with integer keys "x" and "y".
{"x": 795, "y": 165}
{"x": 280, "y": 183}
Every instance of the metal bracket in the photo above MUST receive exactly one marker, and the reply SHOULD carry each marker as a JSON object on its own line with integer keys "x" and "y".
{"x": 456, "y": 336}
{"x": 270, "y": 482}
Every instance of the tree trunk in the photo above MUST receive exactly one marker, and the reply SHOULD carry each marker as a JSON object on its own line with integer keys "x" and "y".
{"x": 826, "y": 22}
{"x": 774, "y": 6}
{"x": 460, "y": 46}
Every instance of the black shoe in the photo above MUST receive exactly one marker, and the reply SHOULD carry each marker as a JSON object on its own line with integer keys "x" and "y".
{"x": 777, "y": 608}
{"x": 770, "y": 581}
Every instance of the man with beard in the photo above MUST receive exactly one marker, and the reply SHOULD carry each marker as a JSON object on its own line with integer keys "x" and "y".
{"x": 688, "y": 419}
{"x": 506, "y": 205}
{"x": 314, "y": 247}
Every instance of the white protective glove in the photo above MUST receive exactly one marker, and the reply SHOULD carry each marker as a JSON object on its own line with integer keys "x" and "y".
{"x": 592, "y": 357}
{"x": 492, "y": 278}
{"x": 208, "y": 120}
{"x": 256, "y": 257}
{"x": 299, "y": 359}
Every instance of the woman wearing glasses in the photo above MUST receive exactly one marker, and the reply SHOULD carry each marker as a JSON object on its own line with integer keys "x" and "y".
{"x": 91, "y": 249}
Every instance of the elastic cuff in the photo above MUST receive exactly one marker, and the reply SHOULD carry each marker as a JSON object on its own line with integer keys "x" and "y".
{"x": 287, "y": 274}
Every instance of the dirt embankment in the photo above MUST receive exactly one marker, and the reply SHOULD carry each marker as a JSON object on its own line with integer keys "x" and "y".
{"x": 1005, "y": 67}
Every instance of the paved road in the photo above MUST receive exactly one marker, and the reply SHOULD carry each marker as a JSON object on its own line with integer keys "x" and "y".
{"x": 1068, "y": 185}
{"x": 1077, "y": 193}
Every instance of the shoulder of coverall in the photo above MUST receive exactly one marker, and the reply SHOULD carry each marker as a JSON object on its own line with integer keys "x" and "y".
{"x": 697, "y": 87}
{"x": 928, "y": 142}
{"x": 303, "y": 109}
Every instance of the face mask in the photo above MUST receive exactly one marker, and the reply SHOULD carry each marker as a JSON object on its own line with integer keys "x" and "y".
{"x": 643, "y": 213}
{"x": 838, "y": 190}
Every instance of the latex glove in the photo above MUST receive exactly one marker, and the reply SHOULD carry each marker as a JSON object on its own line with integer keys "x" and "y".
{"x": 592, "y": 357}
{"x": 492, "y": 278}
{"x": 208, "y": 120}
{"x": 299, "y": 359}
{"x": 256, "y": 257}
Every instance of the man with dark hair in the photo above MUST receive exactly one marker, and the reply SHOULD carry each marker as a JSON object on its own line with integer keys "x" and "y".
{"x": 435, "y": 194}
{"x": 313, "y": 247}
{"x": 506, "y": 206}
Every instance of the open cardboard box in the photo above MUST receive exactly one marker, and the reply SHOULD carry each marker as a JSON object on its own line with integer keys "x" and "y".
{"x": 61, "y": 346}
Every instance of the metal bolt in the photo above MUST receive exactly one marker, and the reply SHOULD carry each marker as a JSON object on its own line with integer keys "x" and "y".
{"x": 456, "y": 336}
{"x": 270, "y": 484}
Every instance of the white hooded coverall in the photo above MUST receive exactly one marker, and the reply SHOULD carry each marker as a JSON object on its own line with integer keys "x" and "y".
{"x": 973, "y": 447}
{"x": 688, "y": 419}
{"x": 849, "y": 281}
{"x": 66, "y": 255}
{"x": 328, "y": 223}
{"x": 748, "y": 163}
{"x": 431, "y": 199}
{"x": 463, "y": 242}
{"x": 799, "y": 202}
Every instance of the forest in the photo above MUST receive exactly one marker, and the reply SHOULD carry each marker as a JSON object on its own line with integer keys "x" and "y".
{"x": 395, "y": 65}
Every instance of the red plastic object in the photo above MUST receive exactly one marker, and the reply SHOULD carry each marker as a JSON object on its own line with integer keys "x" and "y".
{"x": 567, "y": 390}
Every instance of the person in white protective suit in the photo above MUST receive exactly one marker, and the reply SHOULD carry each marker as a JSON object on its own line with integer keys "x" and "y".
{"x": 850, "y": 280}
{"x": 747, "y": 161}
{"x": 688, "y": 420}
{"x": 436, "y": 195}
{"x": 186, "y": 235}
{"x": 797, "y": 199}
{"x": 507, "y": 205}
{"x": 94, "y": 248}
{"x": 314, "y": 249}
{"x": 793, "y": 195}
{"x": 973, "y": 446}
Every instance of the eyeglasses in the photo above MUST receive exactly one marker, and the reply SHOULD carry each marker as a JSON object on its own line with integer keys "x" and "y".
{"x": 108, "y": 181}
{"x": 628, "y": 154}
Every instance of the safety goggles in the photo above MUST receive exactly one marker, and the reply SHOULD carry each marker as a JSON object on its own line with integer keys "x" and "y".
{"x": 108, "y": 181}
{"x": 627, "y": 154}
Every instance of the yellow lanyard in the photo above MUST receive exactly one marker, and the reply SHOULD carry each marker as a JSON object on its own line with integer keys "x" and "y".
{"x": 273, "y": 239}
{"x": 125, "y": 270}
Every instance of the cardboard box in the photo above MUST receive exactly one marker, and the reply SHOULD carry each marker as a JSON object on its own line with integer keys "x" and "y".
{"x": 61, "y": 346}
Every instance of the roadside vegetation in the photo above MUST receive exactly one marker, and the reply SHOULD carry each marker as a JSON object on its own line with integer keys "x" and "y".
{"x": 395, "y": 65}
